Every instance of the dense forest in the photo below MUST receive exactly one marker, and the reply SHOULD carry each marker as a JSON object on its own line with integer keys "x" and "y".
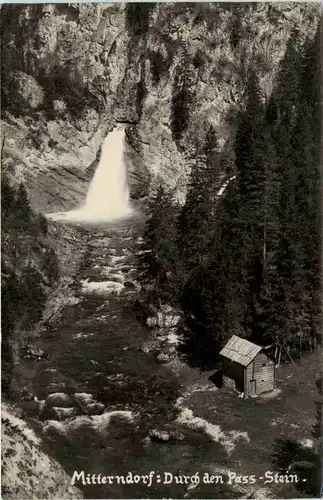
{"x": 29, "y": 269}
{"x": 245, "y": 259}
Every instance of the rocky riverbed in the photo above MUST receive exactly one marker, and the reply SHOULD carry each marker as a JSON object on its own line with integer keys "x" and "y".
{"x": 98, "y": 398}
{"x": 96, "y": 387}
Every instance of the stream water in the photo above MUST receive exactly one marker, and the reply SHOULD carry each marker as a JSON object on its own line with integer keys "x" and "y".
{"x": 95, "y": 352}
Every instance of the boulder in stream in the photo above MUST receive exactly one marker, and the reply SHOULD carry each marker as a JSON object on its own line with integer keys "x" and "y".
{"x": 167, "y": 355}
{"x": 149, "y": 346}
{"x": 95, "y": 408}
{"x": 163, "y": 357}
{"x": 84, "y": 398}
{"x": 33, "y": 352}
{"x": 177, "y": 435}
{"x": 130, "y": 284}
{"x": 58, "y": 413}
{"x": 59, "y": 399}
{"x": 158, "y": 435}
{"x": 166, "y": 435}
{"x": 166, "y": 317}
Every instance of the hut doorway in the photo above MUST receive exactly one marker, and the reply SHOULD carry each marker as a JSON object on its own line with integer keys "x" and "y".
{"x": 252, "y": 387}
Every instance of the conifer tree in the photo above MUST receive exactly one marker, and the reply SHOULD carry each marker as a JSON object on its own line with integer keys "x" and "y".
{"x": 213, "y": 299}
{"x": 251, "y": 258}
{"x": 22, "y": 210}
{"x": 286, "y": 91}
{"x": 250, "y": 163}
{"x": 196, "y": 220}
{"x": 159, "y": 258}
{"x": 289, "y": 279}
{"x": 7, "y": 203}
{"x": 306, "y": 155}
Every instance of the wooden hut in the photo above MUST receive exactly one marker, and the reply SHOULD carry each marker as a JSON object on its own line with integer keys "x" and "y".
{"x": 246, "y": 367}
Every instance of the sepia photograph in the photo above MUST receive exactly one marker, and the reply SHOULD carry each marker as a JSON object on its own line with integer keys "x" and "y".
{"x": 161, "y": 301}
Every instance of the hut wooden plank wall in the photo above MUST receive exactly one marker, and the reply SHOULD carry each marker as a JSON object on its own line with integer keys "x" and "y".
{"x": 247, "y": 368}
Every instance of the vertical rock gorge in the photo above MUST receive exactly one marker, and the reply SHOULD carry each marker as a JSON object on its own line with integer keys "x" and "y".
{"x": 71, "y": 71}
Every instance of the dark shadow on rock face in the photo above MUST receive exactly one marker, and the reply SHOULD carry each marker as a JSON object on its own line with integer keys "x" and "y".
{"x": 292, "y": 457}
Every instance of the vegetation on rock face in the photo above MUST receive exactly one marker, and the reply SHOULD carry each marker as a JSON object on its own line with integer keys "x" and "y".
{"x": 141, "y": 93}
{"x": 137, "y": 17}
{"x": 182, "y": 99}
{"x": 32, "y": 85}
{"x": 159, "y": 66}
{"x": 247, "y": 262}
{"x": 29, "y": 269}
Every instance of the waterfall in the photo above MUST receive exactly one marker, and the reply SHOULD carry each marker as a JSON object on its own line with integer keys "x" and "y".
{"x": 108, "y": 194}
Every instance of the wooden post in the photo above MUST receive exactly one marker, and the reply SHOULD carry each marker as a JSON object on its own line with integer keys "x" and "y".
{"x": 287, "y": 352}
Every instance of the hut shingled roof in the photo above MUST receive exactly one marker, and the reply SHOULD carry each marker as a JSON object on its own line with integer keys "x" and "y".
{"x": 240, "y": 350}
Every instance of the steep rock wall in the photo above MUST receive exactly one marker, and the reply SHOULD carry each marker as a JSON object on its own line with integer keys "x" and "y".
{"x": 21, "y": 453}
{"x": 170, "y": 70}
{"x": 59, "y": 55}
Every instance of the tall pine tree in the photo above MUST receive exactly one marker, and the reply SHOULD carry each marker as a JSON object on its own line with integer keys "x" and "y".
{"x": 291, "y": 281}
{"x": 159, "y": 258}
{"x": 250, "y": 164}
{"x": 196, "y": 220}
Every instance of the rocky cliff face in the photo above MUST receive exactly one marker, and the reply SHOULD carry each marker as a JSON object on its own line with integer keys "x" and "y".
{"x": 70, "y": 72}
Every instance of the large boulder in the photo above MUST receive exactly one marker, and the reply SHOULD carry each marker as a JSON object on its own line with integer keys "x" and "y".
{"x": 167, "y": 355}
{"x": 150, "y": 346}
{"x": 95, "y": 408}
{"x": 163, "y": 358}
{"x": 58, "y": 413}
{"x": 166, "y": 435}
{"x": 34, "y": 352}
{"x": 157, "y": 435}
{"x": 59, "y": 399}
{"x": 167, "y": 317}
{"x": 84, "y": 398}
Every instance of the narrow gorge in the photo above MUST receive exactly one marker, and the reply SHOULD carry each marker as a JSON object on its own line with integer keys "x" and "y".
{"x": 108, "y": 109}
